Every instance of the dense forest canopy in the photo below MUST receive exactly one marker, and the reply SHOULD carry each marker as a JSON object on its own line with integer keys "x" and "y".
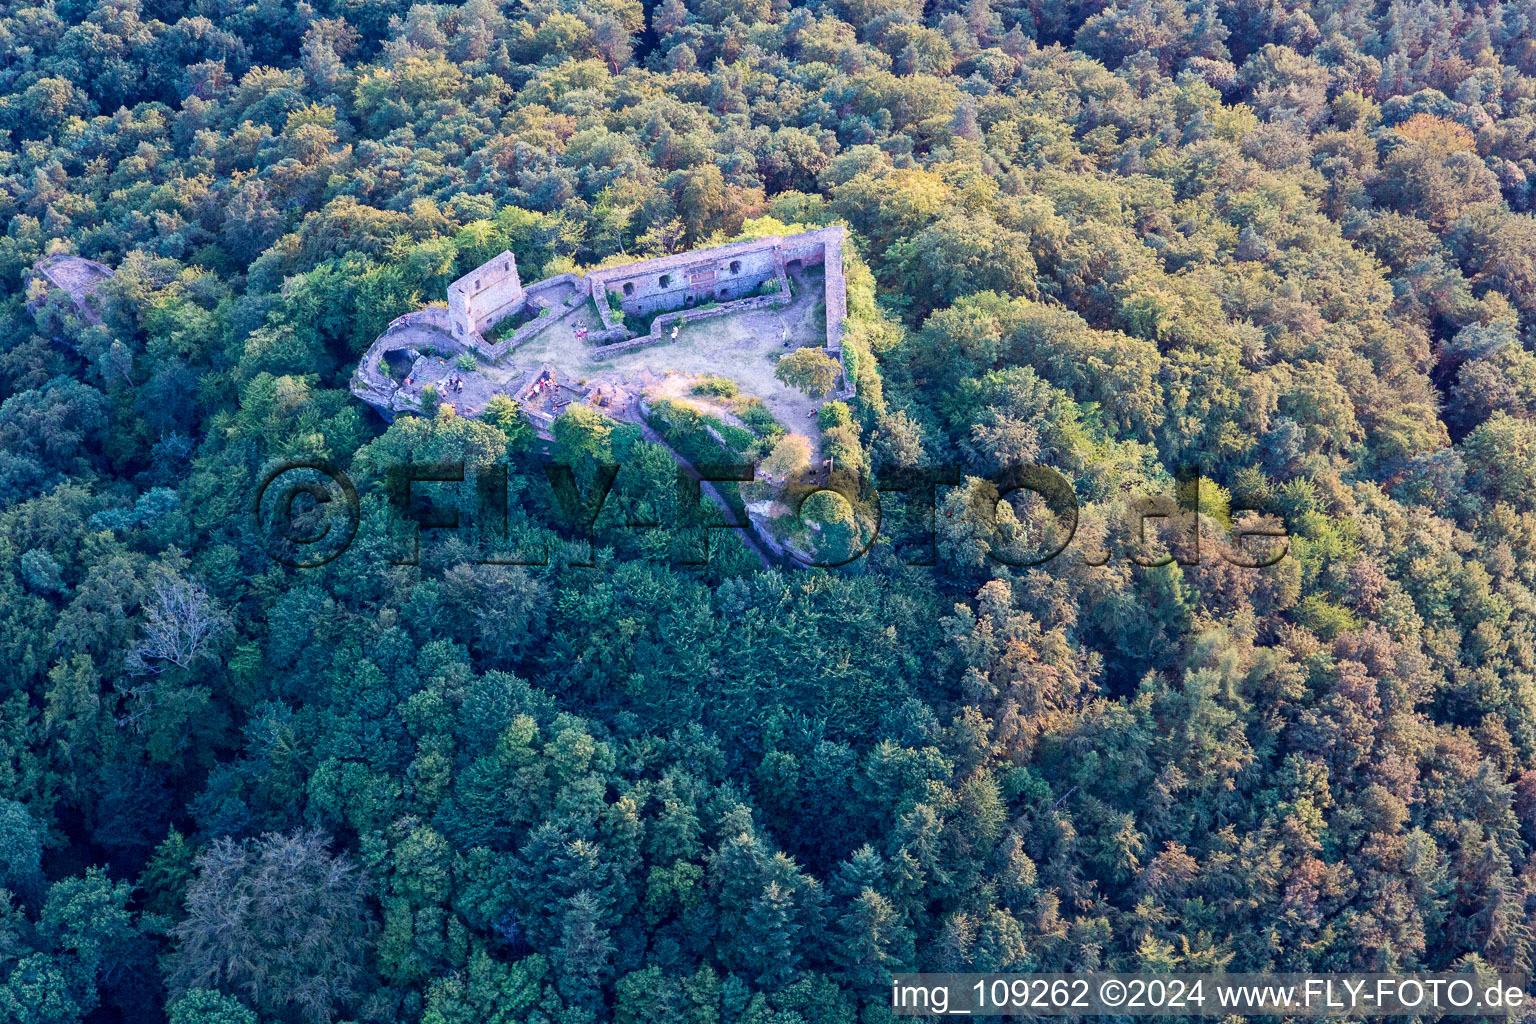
{"x": 1289, "y": 243}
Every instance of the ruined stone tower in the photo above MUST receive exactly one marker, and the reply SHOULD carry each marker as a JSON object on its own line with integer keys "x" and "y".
{"x": 483, "y": 296}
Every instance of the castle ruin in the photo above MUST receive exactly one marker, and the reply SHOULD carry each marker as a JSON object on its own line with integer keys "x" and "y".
{"x": 668, "y": 290}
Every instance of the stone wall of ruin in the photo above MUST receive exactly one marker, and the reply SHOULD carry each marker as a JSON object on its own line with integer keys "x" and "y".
{"x": 661, "y": 327}
{"x": 424, "y": 328}
{"x": 826, "y": 246}
{"x": 671, "y": 282}
{"x": 721, "y": 274}
{"x": 553, "y": 291}
{"x": 483, "y": 296}
{"x": 536, "y": 292}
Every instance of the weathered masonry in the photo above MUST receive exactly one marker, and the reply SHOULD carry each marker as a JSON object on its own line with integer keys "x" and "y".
{"x": 726, "y": 274}
{"x": 691, "y": 278}
{"x": 489, "y": 293}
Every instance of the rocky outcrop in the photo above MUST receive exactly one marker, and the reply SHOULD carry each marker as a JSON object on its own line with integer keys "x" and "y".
{"x": 78, "y": 277}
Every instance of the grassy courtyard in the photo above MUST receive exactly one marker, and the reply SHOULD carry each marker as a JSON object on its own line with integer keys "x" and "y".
{"x": 743, "y": 346}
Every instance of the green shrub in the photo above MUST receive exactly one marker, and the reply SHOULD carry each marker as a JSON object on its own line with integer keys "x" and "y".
{"x": 684, "y": 430}
{"x": 716, "y": 385}
{"x": 501, "y": 329}
{"x": 736, "y": 437}
{"x": 756, "y": 416}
